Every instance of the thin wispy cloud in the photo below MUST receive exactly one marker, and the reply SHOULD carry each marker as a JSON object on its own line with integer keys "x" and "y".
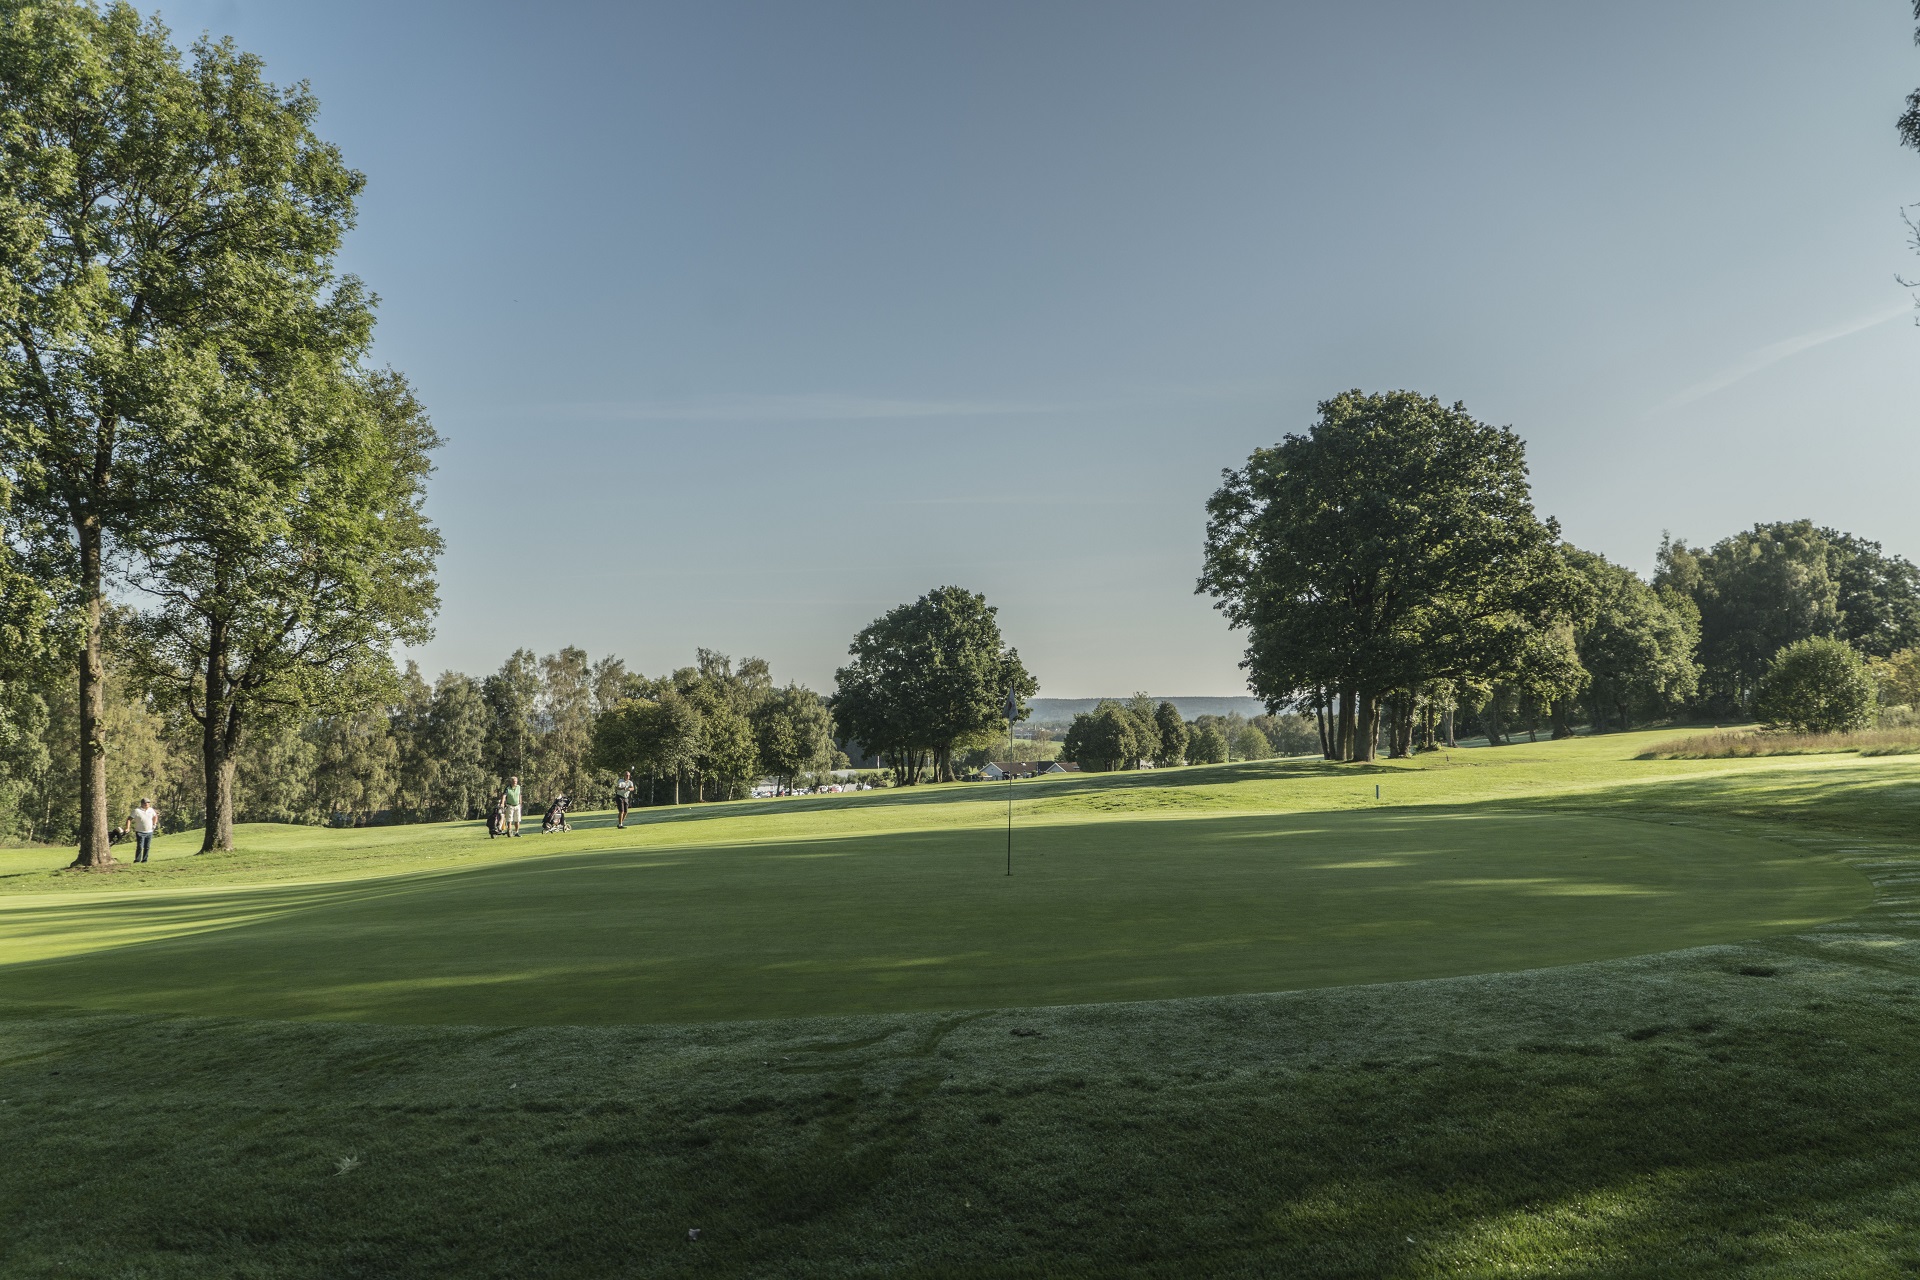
{"x": 775, "y": 409}
{"x": 1773, "y": 354}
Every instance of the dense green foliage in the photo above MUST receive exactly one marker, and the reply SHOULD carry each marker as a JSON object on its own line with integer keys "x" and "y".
{"x": 1635, "y": 643}
{"x": 1775, "y": 584}
{"x": 1816, "y": 686}
{"x": 171, "y": 330}
{"x": 927, "y": 680}
{"x": 1392, "y": 547}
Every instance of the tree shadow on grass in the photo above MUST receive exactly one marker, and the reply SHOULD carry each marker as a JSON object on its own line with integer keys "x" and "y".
{"x": 1880, "y": 800}
{"x": 1780, "y": 1134}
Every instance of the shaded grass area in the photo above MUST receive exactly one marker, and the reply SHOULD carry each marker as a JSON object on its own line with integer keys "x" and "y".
{"x": 1744, "y": 1108}
{"x": 1749, "y": 742}
{"x": 926, "y": 920}
{"x": 1616, "y": 1120}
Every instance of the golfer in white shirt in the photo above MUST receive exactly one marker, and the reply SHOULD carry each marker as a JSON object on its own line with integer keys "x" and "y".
{"x": 143, "y": 822}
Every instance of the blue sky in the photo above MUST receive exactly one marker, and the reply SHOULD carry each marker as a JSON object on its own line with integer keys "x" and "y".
{"x": 746, "y": 322}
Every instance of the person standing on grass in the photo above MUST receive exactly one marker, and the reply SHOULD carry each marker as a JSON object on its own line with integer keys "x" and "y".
{"x": 143, "y": 822}
{"x": 622, "y": 797}
{"x": 513, "y": 805}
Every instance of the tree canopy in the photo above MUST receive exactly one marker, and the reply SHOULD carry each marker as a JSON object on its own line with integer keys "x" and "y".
{"x": 1393, "y": 544}
{"x": 926, "y": 678}
{"x": 168, "y": 228}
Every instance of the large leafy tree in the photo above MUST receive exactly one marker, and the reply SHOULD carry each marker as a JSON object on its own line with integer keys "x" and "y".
{"x": 793, "y": 732}
{"x": 1878, "y": 594}
{"x": 510, "y": 694}
{"x": 660, "y": 737}
{"x": 1757, "y": 592}
{"x": 166, "y": 227}
{"x": 1111, "y": 736}
{"x": 1636, "y": 644}
{"x": 926, "y": 677}
{"x": 441, "y": 732}
{"x": 294, "y": 558}
{"x": 563, "y": 712}
{"x": 1172, "y": 735}
{"x": 1392, "y": 544}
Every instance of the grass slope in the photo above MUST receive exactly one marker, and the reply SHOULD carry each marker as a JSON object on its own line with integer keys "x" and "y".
{"x": 1738, "y": 1108}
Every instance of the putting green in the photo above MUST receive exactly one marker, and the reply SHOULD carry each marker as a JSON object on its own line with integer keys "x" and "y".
{"x": 1097, "y": 910}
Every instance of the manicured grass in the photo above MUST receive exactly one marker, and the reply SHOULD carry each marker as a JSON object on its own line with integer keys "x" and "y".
{"x": 1742, "y": 1107}
{"x": 926, "y": 920}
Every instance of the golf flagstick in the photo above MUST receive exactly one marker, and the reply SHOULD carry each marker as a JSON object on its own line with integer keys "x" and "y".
{"x": 1013, "y": 710}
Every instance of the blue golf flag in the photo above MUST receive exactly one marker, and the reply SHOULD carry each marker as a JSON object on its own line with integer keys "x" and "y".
{"x": 1013, "y": 707}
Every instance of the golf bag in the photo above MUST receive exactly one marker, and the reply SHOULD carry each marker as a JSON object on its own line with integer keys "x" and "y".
{"x": 556, "y": 818}
{"x": 497, "y": 817}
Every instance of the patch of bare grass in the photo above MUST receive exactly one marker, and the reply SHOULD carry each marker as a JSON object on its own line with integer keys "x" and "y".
{"x": 1763, "y": 742}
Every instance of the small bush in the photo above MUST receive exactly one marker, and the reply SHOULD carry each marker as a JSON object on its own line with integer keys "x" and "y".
{"x": 1816, "y": 686}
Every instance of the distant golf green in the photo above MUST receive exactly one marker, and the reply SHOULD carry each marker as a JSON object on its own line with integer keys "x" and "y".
{"x": 641, "y": 928}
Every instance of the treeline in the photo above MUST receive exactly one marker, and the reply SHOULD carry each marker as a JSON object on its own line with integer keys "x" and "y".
{"x": 1396, "y": 585}
{"x": 1143, "y": 733}
{"x": 430, "y": 752}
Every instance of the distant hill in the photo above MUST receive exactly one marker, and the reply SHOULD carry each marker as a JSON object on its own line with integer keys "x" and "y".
{"x": 1061, "y": 711}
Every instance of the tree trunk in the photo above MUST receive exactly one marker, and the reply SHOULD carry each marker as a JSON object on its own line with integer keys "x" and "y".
{"x": 95, "y": 850}
{"x": 1320, "y": 722}
{"x": 1369, "y": 727}
{"x": 1493, "y": 722}
{"x": 1447, "y": 722}
{"x": 219, "y": 726}
{"x": 1345, "y": 745}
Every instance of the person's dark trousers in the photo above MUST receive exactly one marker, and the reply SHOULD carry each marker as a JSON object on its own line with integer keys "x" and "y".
{"x": 622, "y": 802}
{"x": 142, "y": 842}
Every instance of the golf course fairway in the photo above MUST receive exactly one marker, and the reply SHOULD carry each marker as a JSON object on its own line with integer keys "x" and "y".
{"x": 1662, "y": 1024}
{"x": 600, "y": 927}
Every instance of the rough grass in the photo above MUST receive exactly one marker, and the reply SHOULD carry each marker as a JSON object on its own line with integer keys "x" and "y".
{"x": 1740, "y": 1109}
{"x": 1758, "y": 742}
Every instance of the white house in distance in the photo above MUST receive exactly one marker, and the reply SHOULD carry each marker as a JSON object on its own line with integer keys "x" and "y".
{"x": 995, "y": 770}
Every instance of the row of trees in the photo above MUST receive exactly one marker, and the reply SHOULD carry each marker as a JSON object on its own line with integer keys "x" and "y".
{"x": 714, "y": 730}
{"x": 423, "y": 751}
{"x": 1142, "y": 731}
{"x": 1392, "y": 576}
